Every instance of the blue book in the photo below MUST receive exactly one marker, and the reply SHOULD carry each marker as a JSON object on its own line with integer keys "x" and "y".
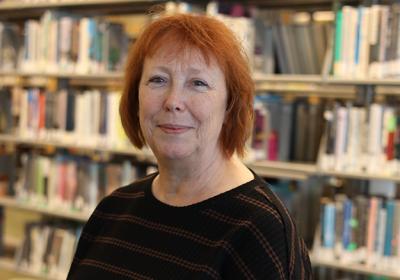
{"x": 329, "y": 225}
{"x": 387, "y": 249}
{"x": 348, "y": 205}
{"x": 358, "y": 35}
{"x": 92, "y": 38}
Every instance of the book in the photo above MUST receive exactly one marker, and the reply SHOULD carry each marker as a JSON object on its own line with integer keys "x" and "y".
{"x": 72, "y": 183}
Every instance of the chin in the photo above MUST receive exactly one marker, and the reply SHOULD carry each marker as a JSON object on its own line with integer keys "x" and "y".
{"x": 172, "y": 153}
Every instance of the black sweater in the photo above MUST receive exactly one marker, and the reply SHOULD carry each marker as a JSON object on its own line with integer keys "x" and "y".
{"x": 244, "y": 233}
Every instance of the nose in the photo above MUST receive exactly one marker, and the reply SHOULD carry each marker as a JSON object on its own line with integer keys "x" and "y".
{"x": 174, "y": 100}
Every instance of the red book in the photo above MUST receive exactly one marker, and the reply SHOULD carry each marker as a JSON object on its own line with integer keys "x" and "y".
{"x": 42, "y": 110}
{"x": 273, "y": 146}
{"x": 390, "y": 146}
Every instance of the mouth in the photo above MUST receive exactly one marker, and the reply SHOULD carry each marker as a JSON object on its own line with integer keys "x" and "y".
{"x": 173, "y": 128}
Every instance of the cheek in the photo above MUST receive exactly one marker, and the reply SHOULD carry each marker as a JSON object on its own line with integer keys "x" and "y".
{"x": 211, "y": 115}
{"x": 147, "y": 106}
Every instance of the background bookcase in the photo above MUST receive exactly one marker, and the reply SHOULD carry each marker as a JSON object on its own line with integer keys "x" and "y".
{"x": 297, "y": 180}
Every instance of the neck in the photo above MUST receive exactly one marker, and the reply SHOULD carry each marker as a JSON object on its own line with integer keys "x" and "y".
{"x": 182, "y": 183}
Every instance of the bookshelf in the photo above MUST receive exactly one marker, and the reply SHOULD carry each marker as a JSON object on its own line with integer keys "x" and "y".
{"x": 274, "y": 169}
{"x": 8, "y": 264}
{"x": 357, "y": 268}
{"x": 29, "y": 9}
{"x": 142, "y": 155}
{"x": 78, "y": 216}
{"x": 322, "y": 86}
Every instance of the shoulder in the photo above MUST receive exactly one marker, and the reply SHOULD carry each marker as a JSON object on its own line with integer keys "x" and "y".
{"x": 261, "y": 204}
{"x": 271, "y": 218}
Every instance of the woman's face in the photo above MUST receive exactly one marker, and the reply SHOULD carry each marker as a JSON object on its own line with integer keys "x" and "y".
{"x": 182, "y": 103}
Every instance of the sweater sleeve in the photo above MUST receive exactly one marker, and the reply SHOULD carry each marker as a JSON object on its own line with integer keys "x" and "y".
{"x": 266, "y": 252}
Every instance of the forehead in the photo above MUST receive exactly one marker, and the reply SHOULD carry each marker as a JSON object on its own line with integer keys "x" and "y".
{"x": 183, "y": 57}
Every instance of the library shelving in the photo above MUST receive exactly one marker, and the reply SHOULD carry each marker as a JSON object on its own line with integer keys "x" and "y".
{"x": 143, "y": 155}
{"x": 11, "y": 202}
{"x": 274, "y": 169}
{"x": 10, "y": 9}
{"x": 314, "y": 85}
{"x": 357, "y": 268}
{"x": 8, "y": 264}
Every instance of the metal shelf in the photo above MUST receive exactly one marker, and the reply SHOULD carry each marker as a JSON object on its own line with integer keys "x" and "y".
{"x": 319, "y": 79}
{"x": 141, "y": 155}
{"x": 360, "y": 175}
{"x": 357, "y": 268}
{"x": 69, "y": 75}
{"x": 284, "y": 170}
{"x": 54, "y": 212}
{"x": 24, "y": 9}
{"x": 274, "y": 169}
{"x": 9, "y": 265}
{"x": 309, "y": 84}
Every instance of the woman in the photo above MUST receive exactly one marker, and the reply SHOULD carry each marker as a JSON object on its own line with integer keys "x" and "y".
{"x": 188, "y": 96}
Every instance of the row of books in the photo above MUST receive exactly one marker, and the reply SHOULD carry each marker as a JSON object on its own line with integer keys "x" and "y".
{"x": 286, "y": 42}
{"x": 64, "y": 42}
{"x": 72, "y": 117}
{"x": 297, "y": 41}
{"x": 283, "y": 42}
{"x": 286, "y": 128}
{"x": 47, "y": 249}
{"x": 360, "y": 229}
{"x": 72, "y": 183}
{"x": 367, "y": 41}
{"x": 362, "y": 139}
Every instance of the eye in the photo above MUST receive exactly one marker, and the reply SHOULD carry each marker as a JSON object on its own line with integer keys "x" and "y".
{"x": 156, "y": 81}
{"x": 200, "y": 85}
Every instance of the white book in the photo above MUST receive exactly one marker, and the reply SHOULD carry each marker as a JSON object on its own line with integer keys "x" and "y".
{"x": 52, "y": 65}
{"x": 340, "y": 143}
{"x": 95, "y": 118}
{"x": 44, "y": 43}
{"x": 79, "y": 118}
{"x": 346, "y": 23}
{"x": 351, "y": 41}
{"x": 212, "y": 8}
{"x": 65, "y": 44}
{"x": 363, "y": 138}
{"x": 373, "y": 36}
{"x": 363, "y": 57}
{"x": 382, "y": 41}
{"x": 31, "y": 46}
{"x": 84, "y": 45}
{"x": 353, "y": 151}
{"x": 86, "y": 117}
{"x": 375, "y": 137}
{"x": 111, "y": 120}
{"x": 66, "y": 254}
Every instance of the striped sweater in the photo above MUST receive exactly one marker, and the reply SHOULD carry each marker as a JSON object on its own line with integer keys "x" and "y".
{"x": 244, "y": 233}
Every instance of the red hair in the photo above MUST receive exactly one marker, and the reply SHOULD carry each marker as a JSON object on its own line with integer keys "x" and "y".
{"x": 213, "y": 39}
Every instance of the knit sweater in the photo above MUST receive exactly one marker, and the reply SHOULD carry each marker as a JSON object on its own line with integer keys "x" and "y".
{"x": 244, "y": 233}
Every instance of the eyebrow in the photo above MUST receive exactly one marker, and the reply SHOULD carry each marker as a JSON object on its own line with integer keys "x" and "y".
{"x": 191, "y": 69}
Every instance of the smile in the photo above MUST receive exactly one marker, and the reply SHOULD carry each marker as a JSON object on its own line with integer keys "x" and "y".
{"x": 173, "y": 129}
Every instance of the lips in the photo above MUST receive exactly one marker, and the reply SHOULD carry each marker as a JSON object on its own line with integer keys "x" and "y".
{"x": 173, "y": 128}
